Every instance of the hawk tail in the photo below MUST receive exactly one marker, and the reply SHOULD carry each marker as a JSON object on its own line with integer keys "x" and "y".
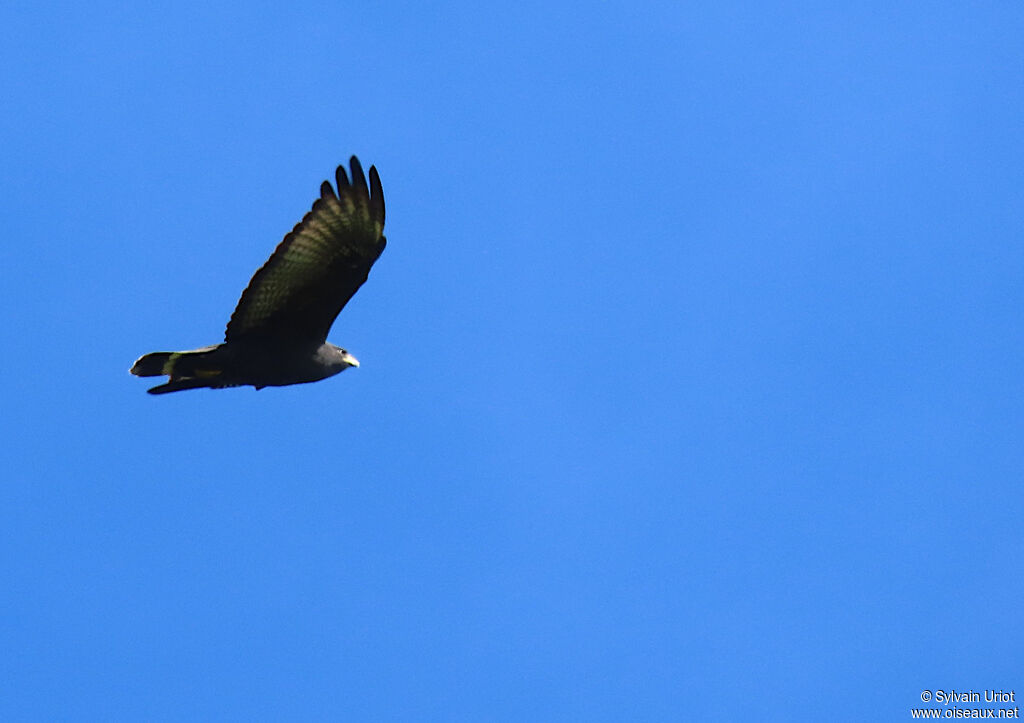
{"x": 153, "y": 365}
{"x": 177, "y": 385}
{"x": 186, "y": 369}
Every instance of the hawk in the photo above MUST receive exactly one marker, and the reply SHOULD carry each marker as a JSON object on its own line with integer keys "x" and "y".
{"x": 277, "y": 334}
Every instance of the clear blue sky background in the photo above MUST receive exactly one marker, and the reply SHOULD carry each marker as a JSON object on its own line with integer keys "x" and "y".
{"x": 691, "y": 376}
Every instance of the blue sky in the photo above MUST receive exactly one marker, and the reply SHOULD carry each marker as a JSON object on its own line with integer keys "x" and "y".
{"x": 691, "y": 375}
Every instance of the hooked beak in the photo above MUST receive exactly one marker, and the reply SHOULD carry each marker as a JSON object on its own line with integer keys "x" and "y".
{"x": 350, "y": 360}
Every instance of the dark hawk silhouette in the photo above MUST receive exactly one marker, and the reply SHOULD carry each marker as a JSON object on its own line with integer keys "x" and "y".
{"x": 278, "y": 332}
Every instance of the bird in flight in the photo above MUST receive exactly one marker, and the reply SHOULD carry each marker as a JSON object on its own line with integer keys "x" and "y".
{"x": 277, "y": 334}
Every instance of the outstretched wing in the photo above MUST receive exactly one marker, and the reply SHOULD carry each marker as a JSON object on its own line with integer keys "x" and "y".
{"x": 295, "y": 296}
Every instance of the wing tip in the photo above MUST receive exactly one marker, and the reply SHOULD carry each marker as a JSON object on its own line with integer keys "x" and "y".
{"x": 377, "y": 195}
{"x": 358, "y": 177}
{"x": 375, "y": 191}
